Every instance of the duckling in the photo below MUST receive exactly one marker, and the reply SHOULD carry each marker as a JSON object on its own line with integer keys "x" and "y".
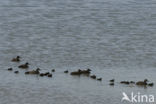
{"x": 111, "y": 84}
{"x": 49, "y": 75}
{"x": 93, "y": 76}
{"x": 10, "y": 69}
{"x": 16, "y": 72}
{"x": 17, "y": 59}
{"x": 142, "y": 83}
{"x": 99, "y": 79}
{"x": 112, "y": 80}
{"x": 66, "y": 71}
{"x": 53, "y": 70}
{"x": 46, "y": 73}
{"x": 151, "y": 84}
{"x": 42, "y": 74}
{"x": 24, "y": 66}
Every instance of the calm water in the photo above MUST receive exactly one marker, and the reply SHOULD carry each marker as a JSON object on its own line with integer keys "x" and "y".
{"x": 115, "y": 38}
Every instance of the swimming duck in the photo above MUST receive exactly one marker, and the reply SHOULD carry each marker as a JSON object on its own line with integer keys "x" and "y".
{"x": 49, "y": 75}
{"x": 33, "y": 71}
{"x": 151, "y": 84}
{"x": 46, "y": 73}
{"x": 99, "y": 79}
{"x": 142, "y": 83}
{"x": 112, "y": 80}
{"x": 16, "y": 72}
{"x": 17, "y": 59}
{"x": 66, "y": 71}
{"x": 111, "y": 84}
{"x": 10, "y": 69}
{"x": 93, "y": 76}
{"x": 53, "y": 70}
{"x": 42, "y": 74}
{"x": 24, "y": 66}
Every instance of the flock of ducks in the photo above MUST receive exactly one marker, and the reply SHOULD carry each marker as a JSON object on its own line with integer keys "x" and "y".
{"x": 79, "y": 72}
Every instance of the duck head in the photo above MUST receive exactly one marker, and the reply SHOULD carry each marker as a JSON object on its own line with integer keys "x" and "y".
{"x": 145, "y": 80}
{"x": 27, "y": 63}
{"x": 38, "y": 69}
{"x": 18, "y": 57}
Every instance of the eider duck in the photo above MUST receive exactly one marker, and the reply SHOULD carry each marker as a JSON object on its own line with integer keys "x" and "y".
{"x": 24, "y": 66}
{"x": 142, "y": 83}
{"x": 33, "y": 71}
{"x": 17, "y": 59}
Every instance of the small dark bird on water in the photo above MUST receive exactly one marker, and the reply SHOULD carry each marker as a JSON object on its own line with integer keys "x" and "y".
{"x": 24, "y": 66}
{"x": 53, "y": 70}
{"x": 46, "y": 73}
{"x": 16, "y": 72}
{"x": 93, "y": 76}
{"x": 111, "y": 84}
{"x": 112, "y": 80}
{"x": 99, "y": 79}
{"x": 151, "y": 84}
{"x": 42, "y": 74}
{"x": 66, "y": 71}
{"x": 17, "y": 59}
{"x": 10, "y": 69}
{"x": 125, "y": 82}
{"x": 49, "y": 75}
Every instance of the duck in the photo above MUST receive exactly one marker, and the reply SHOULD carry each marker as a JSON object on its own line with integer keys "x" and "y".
{"x": 142, "y": 83}
{"x": 151, "y": 84}
{"x": 112, "y": 80}
{"x": 24, "y": 66}
{"x": 10, "y": 69}
{"x": 42, "y": 74}
{"x": 99, "y": 79}
{"x": 76, "y": 72}
{"x": 93, "y": 76}
{"x": 33, "y": 71}
{"x": 46, "y": 73}
{"x": 17, "y": 59}
{"x": 66, "y": 71}
{"x": 111, "y": 84}
{"x": 53, "y": 70}
{"x": 49, "y": 75}
{"x": 16, "y": 72}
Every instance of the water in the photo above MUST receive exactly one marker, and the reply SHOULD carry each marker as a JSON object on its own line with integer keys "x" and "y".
{"x": 115, "y": 38}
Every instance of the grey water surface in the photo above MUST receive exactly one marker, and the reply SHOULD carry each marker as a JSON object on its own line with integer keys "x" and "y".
{"x": 114, "y": 38}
